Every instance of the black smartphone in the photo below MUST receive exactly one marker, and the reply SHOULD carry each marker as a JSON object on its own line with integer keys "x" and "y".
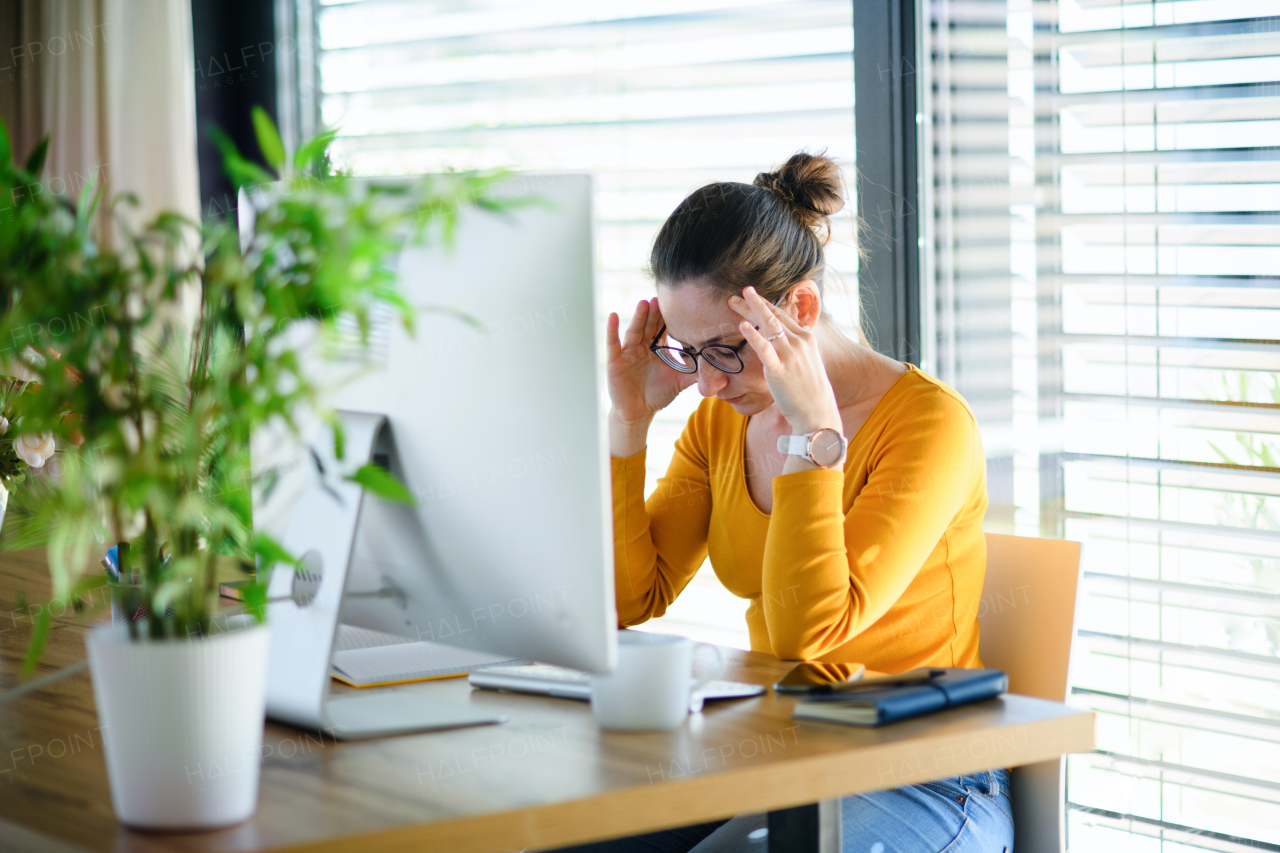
{"x": 814, "y": 677}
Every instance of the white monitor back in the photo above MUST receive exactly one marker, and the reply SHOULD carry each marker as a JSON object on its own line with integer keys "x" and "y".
{"x": 499, "y": 432}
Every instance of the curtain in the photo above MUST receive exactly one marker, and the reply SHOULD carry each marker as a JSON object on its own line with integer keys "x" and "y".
{"x": 112, "y": 82}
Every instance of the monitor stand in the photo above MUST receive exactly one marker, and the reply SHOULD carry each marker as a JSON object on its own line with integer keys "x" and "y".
{"x": 304, "y": 606}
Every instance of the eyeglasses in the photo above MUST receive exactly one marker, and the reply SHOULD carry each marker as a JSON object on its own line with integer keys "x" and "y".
{"x": 721, "y": 357}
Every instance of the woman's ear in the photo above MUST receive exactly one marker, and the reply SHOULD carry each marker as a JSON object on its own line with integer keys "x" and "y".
{"x": 804, "y": 303}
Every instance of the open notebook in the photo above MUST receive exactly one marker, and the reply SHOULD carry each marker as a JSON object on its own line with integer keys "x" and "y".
{"x": 367, "y": 658}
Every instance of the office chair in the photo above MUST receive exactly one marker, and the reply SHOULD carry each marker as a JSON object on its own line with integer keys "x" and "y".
{"x": 1026, "y": 622}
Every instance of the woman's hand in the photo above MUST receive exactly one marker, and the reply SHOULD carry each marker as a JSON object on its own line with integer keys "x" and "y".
{"x": 640, "y": 385}
{"x": 792, "y": 364}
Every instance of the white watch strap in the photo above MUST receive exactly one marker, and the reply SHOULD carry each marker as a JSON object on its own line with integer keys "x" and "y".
{"x": 794, "y": 445}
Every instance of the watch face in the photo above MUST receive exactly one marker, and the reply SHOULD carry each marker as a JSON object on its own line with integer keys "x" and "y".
{"x": 826, "y": 447}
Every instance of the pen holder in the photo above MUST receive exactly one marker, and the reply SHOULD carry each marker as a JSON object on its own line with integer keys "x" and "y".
{"x": 127, "y": 602}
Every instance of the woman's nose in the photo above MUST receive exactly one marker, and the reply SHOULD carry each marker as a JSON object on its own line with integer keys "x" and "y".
{"x": 710, "y": 380}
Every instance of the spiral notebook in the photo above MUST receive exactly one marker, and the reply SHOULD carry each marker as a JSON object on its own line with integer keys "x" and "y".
{"x": 366, "y": 658}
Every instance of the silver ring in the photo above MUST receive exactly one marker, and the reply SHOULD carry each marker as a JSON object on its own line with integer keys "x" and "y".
{"x": 782, "y": 333}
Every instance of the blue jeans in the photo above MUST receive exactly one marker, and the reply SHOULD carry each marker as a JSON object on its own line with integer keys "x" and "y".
{"x": 963, "y": 814}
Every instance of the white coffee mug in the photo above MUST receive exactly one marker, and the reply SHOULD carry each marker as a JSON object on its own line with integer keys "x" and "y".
{"x": 652, "y": 688}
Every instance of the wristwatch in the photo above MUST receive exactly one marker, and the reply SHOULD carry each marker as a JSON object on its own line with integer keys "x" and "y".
{"x": 824, "y": 448}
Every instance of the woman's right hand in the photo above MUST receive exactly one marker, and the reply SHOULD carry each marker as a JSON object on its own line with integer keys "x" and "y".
{"x": 640, "y": 384}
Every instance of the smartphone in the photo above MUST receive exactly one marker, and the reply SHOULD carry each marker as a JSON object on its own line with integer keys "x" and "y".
{"x": 812, "y": 678}
{"x": 875, "y": 682}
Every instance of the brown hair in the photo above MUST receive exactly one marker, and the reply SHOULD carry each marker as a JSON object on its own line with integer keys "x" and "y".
{"x": 768, "y": 234}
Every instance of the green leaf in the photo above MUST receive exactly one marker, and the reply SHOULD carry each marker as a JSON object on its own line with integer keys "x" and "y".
{"x": 254, "y": 596}
{"x": 455, "y": 313}
{"x": 246, "y": 173}
{"x": 86, "y": 204}
{"x": 313, "y": 149}
{"x": 85, "y": 198}
{"x": 339, "y": 438}
{"x": 242, "y": 172}
{"x": 506, "y": 205}
{"x": 268, "y": 138}
{"x": 81, "y": 594}
{"x": 168, "y": 593}
{"x": 393, "y": 297}
{"x": 39, "y": 636}
{"x": 6, "y": 149}
{"x": 270, "y": 552}
{"x": 378, "y": 481}
{"x": 35, "y": 163}
{"x": 226, "y": 147}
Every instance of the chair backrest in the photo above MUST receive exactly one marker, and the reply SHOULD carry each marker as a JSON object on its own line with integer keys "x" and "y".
{"x": 1026, "y": 617}
{"x": 1026, "y": 621}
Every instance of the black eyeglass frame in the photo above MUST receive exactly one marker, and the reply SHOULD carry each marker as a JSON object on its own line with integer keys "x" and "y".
{"x": 654, "y": 348}
{"x": 657, "y": 350}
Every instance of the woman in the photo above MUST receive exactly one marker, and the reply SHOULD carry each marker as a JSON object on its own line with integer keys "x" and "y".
{"x": 871, "y": 553}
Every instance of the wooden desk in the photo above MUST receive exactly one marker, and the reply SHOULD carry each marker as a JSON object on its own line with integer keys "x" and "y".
{"x": 548, "y": 777}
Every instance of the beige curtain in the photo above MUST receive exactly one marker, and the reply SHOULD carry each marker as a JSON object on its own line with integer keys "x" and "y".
{"x": 19, "y": 89}
{"x": 113, "y": 82}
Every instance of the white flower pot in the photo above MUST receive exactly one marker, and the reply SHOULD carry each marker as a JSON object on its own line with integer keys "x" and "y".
{"x": 182, "y": 724}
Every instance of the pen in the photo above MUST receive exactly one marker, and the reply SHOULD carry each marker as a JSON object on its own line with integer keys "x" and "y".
{"x": 109, "y": 563}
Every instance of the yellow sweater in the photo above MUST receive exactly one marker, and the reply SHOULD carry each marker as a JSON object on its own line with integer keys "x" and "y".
{"x": 881, "y": 563}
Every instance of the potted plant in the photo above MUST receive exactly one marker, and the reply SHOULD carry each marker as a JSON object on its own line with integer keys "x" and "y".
{"x": 164, "y": 407}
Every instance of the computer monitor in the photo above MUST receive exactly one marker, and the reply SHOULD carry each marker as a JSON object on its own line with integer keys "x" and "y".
{"x": 496, "y": 413}
{"x": 496, "y": 416}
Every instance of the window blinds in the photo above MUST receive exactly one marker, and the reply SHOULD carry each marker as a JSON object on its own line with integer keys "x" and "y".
{"x": 1144, "y": 295}
{"x": 972, "y": 249}
{"x": 1160, "y": 243}
{"x": 656, "y": 99}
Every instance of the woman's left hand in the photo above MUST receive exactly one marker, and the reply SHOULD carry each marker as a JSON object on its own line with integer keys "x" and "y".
{"x": 792, "y": 364}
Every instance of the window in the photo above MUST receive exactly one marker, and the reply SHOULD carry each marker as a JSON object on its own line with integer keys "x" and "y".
{"x": 1113, "y": 312}
{"x": 655, "y": 99}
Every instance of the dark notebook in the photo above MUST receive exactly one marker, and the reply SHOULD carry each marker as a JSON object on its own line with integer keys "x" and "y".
{"x": 874, "y": 707}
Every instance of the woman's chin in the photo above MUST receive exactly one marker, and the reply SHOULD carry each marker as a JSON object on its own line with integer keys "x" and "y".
{"x": 746, "y": 404}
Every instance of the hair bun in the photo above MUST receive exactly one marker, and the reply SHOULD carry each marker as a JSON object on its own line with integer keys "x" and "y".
{"x": 811, "y": 184}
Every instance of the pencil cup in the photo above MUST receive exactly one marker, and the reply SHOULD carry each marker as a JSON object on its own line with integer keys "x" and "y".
{"x": 652, "y": 687}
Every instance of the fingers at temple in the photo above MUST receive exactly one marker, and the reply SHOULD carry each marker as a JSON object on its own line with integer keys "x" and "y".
{"x": 768, "y": 355}
{"x": 635, "y": 329}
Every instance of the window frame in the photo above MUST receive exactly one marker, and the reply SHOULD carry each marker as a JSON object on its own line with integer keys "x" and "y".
{"x": 888, "y": 101}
